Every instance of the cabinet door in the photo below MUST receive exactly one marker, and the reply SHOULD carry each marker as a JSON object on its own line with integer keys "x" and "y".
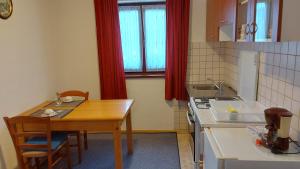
{"x": 227, "y": 12}
{"x": 245, "y": 16}
{"x": 267, "y": 20}
{"x": 251, "y": 20}
{"x": 212, "y": 20}
{"x": 211, "y": 161}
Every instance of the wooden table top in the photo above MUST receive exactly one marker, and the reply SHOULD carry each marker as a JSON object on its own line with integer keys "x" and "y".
{"x": 100, "y": 110}
{"x": 92, "y": 110}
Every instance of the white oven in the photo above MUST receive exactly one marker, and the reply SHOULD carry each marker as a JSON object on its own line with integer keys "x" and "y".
{"x": 191, "y": 128}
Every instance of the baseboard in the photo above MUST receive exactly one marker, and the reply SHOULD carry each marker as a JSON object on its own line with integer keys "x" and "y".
{"x": 142, "y": 131}
{"x": 182, "y": 131}
{"x": 153, "y": 131}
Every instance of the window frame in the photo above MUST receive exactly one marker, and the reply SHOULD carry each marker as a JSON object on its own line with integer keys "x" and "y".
{"x": 144, "y": 73}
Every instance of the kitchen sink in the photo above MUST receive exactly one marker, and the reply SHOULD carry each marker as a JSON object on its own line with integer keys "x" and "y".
{"x": 205, "y": 87}
{"x": 211, "y": 91}
{"x": 227, "y": 98}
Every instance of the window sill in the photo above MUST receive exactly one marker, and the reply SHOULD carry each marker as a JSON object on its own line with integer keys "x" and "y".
{"x": 143, "y": 75}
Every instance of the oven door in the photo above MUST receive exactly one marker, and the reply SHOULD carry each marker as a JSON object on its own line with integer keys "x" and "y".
{"x": 191, "y": 129}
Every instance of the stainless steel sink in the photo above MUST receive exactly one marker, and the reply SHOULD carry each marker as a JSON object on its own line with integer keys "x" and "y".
{"x": 211, "y": 91}
{"x": 205, "y": 87}
{"x": 227, "y": 98}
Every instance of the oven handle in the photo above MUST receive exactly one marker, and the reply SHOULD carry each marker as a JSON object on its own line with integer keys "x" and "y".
{"x": 190, "y": 107}
{"x": 189, "y": 118}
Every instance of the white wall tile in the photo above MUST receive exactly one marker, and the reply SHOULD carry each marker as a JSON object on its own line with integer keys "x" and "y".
{"x": 298, "y": 48}
{"x": 276, "y": 60}
{"x": 292, "y": 48}
{"x": 276, "y": 72}
{"x": 288, "y": 90}
{"x": 295, "y": 122}
{"x": 281, "y": 87}
{"x": 297, "y": 79}
{"x": 284, "y": 48}
{"x": 297, "y": 63}
{"x": 269, "y": 58}
{"x": 283, "y": 60}
{"x": 296, "y": 93}
{"x": 277, "y": 47}
{"x": 279, "y": 74}
{"x": 282, "y": 74}
{"x": 291, "y": 62}
{"x": 287, "y": 103}
{"x": 296, "y": 107}
{"x": 290, "y": 76}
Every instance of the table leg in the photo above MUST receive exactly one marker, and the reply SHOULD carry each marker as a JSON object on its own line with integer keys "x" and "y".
{"x": 118, "y": 148}
{"x": 129, "y": 133}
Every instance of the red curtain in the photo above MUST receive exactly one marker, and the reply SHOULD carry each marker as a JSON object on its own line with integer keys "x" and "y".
{"x": 111, "y": 70}
{"x": 178, "y": 12}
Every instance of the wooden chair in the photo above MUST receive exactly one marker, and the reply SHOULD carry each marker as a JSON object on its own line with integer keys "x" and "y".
{"x": 38, "y": 143}
{"x": 84, "y": 95}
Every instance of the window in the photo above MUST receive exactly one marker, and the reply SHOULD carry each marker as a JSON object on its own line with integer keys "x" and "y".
{"x": 143, "y": 34}
{"x": 262, "y": 20}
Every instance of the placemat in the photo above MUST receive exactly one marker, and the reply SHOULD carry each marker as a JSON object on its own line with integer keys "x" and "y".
{"x": 64, "y": 104}
{"x": 60, "y": 113}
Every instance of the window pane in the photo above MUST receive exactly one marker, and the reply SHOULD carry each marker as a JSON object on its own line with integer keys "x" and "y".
{"x": 155, "y": 37}
{"x": 261, "y": 21}
{"x": 131, "y": 38}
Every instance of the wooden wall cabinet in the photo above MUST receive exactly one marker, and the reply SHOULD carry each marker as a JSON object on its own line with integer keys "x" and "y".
{"x": 253, "y": 20}
{"x": 259, "y": 20}
{"x": 227, "y": 12}
{"x": 220, "y": 13}
{"x": 212, "y": 20}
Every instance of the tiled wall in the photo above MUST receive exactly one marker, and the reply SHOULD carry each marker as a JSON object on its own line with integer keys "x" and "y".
{"x": 205, "y": 61}
{"x": 180, "y": 121}
{"x": 279, "y": 75}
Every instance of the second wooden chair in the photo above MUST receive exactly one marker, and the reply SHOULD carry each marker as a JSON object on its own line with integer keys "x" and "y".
{"x": 85, "y": 95}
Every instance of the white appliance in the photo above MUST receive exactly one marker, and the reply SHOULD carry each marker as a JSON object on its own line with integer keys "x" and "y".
{"x": 248, "y": 75}
{"x": 234, "y": 148}
{"x": 204, "y": 118}
{"x": 247, "y": 90}
{"x": 197, "y": 103}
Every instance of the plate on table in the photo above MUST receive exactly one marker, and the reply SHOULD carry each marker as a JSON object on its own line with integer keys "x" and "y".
{"x": 49, "y": 113}
{"x": 68, "y": 99}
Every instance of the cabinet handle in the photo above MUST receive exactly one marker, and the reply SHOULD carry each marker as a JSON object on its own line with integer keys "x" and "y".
{"x": 248, "y": 31}
{"x": 255, "y": 27}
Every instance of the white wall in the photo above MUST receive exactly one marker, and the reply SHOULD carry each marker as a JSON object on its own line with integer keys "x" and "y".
{"x": 27, "y": 68}
{"x": 150, "y": 110}
{"x": 77, "y": 46}
{"x": 290, "y": 24}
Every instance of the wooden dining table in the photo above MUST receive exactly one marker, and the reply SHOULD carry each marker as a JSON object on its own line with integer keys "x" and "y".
{"x": 94, "y": 116}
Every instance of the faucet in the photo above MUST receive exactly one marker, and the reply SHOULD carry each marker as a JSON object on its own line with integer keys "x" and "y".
{"x": 218, "y": 84}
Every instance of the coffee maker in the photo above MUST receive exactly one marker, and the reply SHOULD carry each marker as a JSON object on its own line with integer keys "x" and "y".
{"x": 278, "y": 124}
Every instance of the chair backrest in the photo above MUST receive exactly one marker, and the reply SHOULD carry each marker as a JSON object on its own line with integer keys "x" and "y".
{"x": 19, "y": 133}
{"x": 77, "y": 93}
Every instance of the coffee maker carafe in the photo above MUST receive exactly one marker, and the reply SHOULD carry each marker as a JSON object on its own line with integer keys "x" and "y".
{"x": 278, "y": 125}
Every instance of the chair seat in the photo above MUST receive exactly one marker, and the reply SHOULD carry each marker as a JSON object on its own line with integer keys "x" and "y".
{"x": 58, "y": 138}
